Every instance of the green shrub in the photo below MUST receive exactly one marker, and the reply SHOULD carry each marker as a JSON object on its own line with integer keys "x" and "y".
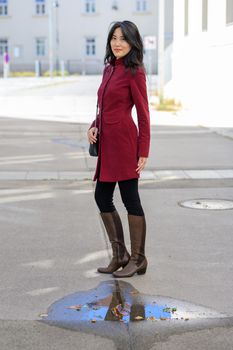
{"x": 32, "y": 74}
{"x": 168, "y": 105}
{"x": 22, "y": 74}
{"x": 55, "y": 73}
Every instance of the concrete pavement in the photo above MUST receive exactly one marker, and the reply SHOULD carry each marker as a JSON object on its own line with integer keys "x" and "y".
{"x": 73, "y": 99}
{"x": 52, "y": 240}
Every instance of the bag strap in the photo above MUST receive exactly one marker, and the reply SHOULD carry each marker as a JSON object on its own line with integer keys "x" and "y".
{"x": 96, "y": 113}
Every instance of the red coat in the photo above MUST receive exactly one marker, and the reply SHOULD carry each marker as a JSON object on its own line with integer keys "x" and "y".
{"x": 121, "y": 142}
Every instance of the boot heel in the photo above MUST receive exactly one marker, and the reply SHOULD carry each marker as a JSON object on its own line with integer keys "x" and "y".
{"x": 142, "y": 271}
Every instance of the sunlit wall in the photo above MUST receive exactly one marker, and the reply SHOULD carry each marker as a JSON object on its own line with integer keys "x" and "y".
{"x": 202, "y": 69}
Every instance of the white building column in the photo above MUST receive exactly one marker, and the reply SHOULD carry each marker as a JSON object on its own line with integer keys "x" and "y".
{"x": 195, "y": 17}
{"x": 216, "y": 15}
{"x": 178, "y": 21}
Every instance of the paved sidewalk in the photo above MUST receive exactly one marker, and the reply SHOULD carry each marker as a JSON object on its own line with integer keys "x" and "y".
{"x": 160, "y": 175}
{"x": 44, "y": 99}
{"x": 52, "y": 241}
{"x": 12, "y": 86}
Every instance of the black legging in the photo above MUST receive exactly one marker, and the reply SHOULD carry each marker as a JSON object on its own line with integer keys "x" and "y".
{"x": 129, "y": 194}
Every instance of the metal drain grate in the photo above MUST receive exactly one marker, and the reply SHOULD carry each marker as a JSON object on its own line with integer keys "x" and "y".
{"x": 210, "y": 204}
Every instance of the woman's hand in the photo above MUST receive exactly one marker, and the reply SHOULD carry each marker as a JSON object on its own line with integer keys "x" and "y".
{"x": 92, "y": 135}
{"x": 141, "y": 164}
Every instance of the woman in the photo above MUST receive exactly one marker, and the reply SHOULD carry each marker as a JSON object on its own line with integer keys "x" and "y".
{"x": 123, "y": 149}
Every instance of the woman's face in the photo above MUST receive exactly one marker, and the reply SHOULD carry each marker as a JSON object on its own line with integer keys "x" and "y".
{"x": 119, "y": 45}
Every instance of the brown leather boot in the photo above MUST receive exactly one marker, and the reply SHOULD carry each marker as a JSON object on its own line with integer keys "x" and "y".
{"x": 138, "y": 261}
{"x": 113, "y": 225}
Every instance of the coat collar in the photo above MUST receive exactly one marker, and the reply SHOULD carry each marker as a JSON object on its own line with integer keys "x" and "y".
{"x": 118, "y": 62}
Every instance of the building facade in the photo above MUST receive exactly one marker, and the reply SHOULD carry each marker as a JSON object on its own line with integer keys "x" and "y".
{"x": 77, "y": 30}
{"x": 202, "y": 57}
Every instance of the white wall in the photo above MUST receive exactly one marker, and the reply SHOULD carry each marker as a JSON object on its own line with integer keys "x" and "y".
{"x": 202, "y": 74}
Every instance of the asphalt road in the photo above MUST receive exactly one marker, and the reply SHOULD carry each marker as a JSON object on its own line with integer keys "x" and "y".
{"x": 52, "y": 240}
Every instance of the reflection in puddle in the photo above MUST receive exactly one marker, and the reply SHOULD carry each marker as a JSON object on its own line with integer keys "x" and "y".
{"x": 139, "y": 320}
{"x": 119, "y": 301}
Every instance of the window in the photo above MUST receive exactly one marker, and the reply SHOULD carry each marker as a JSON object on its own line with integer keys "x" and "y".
{"x": 141, "y": 5}
{"x": 18, "y": 51}
{"x": 40, "y": 7}
{"x": 90, "y": 47}
{"x": 3, "y": 7}
{"x": 90, "y": 6}
{"x": 186, "y": 17}
{"x": 229, "y": 12}
{"x": 204, "y": 15}
{"x": 40, "y": 47}
{"x": 3, "y": 46}
{"x": 115, "y": 5}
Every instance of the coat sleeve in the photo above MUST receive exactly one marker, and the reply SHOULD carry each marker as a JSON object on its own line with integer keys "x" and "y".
{"x": 140, "y": 99}
{"x": 98, "y": 118}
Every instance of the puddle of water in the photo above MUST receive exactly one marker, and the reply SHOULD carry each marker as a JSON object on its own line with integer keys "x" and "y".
{"x": 119, "y": 301}
{"x": 133, "y": 320}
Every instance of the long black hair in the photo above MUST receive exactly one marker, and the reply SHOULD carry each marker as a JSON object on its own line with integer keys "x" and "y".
{"x": 131, "y": 34}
